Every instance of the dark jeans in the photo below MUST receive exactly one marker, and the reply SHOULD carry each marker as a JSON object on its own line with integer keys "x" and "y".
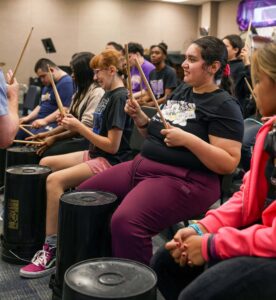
{"x": 240, "y": 278}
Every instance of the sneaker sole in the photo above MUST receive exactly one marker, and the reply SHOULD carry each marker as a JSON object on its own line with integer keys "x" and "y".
{"x": 36, "y": 274}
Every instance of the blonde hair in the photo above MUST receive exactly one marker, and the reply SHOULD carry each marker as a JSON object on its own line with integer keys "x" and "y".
{"x": 264, "y": 60}
{"x": 108, "y": 58}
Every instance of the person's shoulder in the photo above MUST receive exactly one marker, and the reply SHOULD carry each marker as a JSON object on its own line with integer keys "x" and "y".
{"x": 227, "y": 102}
{"x": 119, "y": 92}
{"x": 147, "y": 64}
{"x": 66, "y": 79}
{"x": 169, "y": 69}
{"x": 94, "y": 87}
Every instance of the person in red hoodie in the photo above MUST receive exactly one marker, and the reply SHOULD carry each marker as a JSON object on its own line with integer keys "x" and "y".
{"x": 231, "y": 252}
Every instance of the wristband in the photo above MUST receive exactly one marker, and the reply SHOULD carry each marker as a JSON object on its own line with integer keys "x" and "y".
{"x": 196, "y": 228}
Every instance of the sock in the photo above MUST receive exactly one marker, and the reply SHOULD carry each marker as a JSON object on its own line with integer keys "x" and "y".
{"x": 51, "y": 240}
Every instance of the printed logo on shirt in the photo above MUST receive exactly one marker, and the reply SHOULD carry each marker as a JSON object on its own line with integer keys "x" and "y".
{"x": 157, "y": 87}
{"x": 178, "y": 112}
{"x": 98, "y": 115}
{"x": 135, "y": 81}
{"x": 46, "y": 97}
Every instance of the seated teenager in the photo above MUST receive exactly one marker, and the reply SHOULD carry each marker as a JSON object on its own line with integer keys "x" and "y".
{"x": 43, "y": 117}
{"x": 84, "y": 102}
{"x": 239, "y": 63}
{"x": 162, "y": 79}
{"x": 109, "y": 146}
{"x": 176, "y": 176}
{"x": 231, "y": 253}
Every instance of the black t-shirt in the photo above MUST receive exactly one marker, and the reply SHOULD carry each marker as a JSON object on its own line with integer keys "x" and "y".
{"x": 161, "y": 80}
{"x": 215, "y": 113}
{"x": 110, "y": 114}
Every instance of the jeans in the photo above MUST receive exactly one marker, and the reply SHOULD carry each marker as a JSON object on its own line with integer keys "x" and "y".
{"x": 239, "y": 278}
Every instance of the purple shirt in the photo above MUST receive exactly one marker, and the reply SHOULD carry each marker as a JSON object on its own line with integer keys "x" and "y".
{"x": 147, "y": 67}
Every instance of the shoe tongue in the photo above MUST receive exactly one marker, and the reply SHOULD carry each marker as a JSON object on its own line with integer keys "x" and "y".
{"x": 46, "y": 247}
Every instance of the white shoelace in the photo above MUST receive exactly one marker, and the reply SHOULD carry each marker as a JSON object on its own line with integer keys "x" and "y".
{"x": 40, "y": 258}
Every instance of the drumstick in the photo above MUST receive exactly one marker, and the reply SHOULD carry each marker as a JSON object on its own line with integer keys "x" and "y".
{"x": 59, "y": 103}
{"x": 28, "y": 142}
{"x": 151, "y": 93}
{"x": 26, "y": 130}
{"x": 250, "y": 89}
{"x": 128, "y": 73}
{"x": 26, "y": 125}
{"x": 247, "y": 34}
{"x": 29, "y": 132}
{"x": 21, "y": 55}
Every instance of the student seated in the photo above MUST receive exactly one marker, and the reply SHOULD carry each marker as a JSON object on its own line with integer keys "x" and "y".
{"x": 136, "y": 51}
{"x": 231, "y": 253}
{"x": 84, "y": 102}
{"x": 239, "y": 63}
{"x": 109, "y": 146}
{"x": 43, "y": 117}
{"x": 176, "y": 175}
{"x": 162, "y": 79}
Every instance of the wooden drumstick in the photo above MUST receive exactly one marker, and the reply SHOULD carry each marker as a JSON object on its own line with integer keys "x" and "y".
{"x": 151, "y": 93}
{"x": 128, "y": 73}
{"x": 28, "y": 142}
{"x": 28, "y": 131}
{"x": 59, "y": 102}
{"x": 248, "y": 33}
{"x": 26, "y": 125}
{"x": 21, "y": 55}
{"x": 250, "y": 88}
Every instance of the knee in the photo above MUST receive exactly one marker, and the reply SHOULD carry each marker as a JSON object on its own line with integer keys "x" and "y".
{"x": 46, "y": 161}
{"x": 54, "y": 180}
{"x": 122, "y": 225}
{"x": 118, "y": 223}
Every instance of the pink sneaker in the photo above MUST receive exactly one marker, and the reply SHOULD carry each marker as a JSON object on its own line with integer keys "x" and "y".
{"x": 43, "y": 263}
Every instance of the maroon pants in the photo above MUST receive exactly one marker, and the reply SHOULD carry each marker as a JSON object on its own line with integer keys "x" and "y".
{"x": 153, "y": 197}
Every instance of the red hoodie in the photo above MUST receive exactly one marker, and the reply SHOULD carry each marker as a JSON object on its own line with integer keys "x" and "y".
{"x": 244, "y": 209}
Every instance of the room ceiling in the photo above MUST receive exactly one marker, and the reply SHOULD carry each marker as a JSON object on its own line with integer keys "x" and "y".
{"x": 190, "y": 2}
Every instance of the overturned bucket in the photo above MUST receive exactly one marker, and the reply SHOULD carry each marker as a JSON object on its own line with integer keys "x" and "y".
{"x": 24, "y": 212}
{"x": 109, "y": 278}
{"x": 83, "y": 231}
{"x": 19, "y": 155}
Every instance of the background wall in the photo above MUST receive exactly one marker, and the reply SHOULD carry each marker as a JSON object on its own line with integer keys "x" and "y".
{"x": 227, "y": 13}
{"x": 87, "y": 25}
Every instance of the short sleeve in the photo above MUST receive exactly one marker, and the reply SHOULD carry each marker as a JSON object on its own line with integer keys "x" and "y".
{"x": 228, "y": 122}
{"x": 117, "y": 115}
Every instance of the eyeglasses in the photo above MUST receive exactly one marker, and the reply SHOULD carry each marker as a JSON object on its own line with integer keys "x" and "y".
{"x": 96, "y": 71}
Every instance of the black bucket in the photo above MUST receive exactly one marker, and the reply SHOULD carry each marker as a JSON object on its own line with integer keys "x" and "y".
{"x": 2, "y": 166}
{"x": 109, "y": 278}
{"x": 83, "y": 231}
{"x": 21, "y": 156}
{"x": 24, "y": 212}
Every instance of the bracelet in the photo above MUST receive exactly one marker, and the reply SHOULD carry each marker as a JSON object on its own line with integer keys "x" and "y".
{"x": 145, "y": 125}
{"x": 196, "y": 228}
